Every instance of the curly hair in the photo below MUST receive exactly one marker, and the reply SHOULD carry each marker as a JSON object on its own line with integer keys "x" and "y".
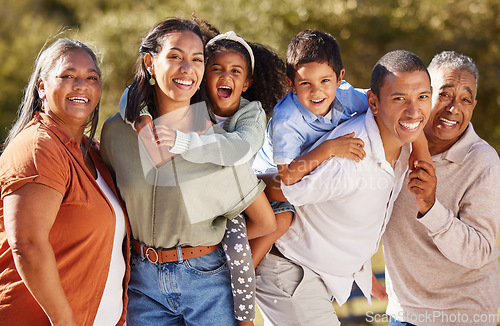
{"x": 269, "y": 84}
{"x": 268, "y": 79}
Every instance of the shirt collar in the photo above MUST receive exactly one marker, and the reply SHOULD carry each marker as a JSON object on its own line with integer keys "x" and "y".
{"x": 458, "y": 151}
{"x": 48, "y": 122}
{"x": 377, "y": 147}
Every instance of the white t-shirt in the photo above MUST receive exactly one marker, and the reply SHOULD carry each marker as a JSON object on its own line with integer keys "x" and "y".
{"x": 342, "y": 208}
{"x": 111, "y": 306}
{"x": 220, "y": 120}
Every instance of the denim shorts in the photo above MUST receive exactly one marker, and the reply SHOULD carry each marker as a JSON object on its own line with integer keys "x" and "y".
{"x": 196, "y": 291}
{"x": 282, "y": 206}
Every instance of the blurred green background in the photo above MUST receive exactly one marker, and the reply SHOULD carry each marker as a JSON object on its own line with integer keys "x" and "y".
{"x": 365, "y": 30}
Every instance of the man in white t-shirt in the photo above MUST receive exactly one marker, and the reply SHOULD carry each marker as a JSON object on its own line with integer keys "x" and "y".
{"x": 343, "y": 206}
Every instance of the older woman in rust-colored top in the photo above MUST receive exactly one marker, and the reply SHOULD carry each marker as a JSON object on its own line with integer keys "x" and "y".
{"x": 63, "y": 234}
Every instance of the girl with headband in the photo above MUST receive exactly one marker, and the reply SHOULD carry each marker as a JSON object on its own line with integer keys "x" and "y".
{"x": 233, "y": 67}
{"x": 178, "y": 270}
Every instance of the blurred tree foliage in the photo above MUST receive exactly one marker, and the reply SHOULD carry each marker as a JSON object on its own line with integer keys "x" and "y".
{"x": 365, "y": 30}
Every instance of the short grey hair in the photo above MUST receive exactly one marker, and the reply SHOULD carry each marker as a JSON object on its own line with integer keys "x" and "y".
{"x": 454, "y": 60}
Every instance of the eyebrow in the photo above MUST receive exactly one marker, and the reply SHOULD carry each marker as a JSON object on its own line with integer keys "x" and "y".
{"x": 467, "y": 88}
{"x": 404, "y": 94}
{"x": 74, "y": 69}
{"x": 237, "y": 66}
{"x": 182, "y": 51}
{"x": 322, "y": 77}
{"x": 232, "y": 66}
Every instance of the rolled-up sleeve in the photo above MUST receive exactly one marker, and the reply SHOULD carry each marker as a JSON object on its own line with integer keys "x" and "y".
{"x": 324, "y": 183}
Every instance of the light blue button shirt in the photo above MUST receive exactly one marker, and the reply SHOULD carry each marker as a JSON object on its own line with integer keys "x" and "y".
{"x": 293, "y": 128}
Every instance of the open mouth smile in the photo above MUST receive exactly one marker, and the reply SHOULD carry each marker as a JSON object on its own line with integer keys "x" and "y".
{"x": 224, "y": 92}
{"x": 411, "y": 126}
{"x": 82, "y": 100}
{"x": 184, "y": 82}
{"x": 318, "y": 101}
{"x": 448, "y": 123}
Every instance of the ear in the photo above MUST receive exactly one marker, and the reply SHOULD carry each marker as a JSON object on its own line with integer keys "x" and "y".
{"x": 148, "y": 62}
{"x": 41, "y": 89}
{"x": 373, "y": 102}
{"x": 247, "y": 84}
{"x": 292, "y": 86}
{"x": 340, "y": 77}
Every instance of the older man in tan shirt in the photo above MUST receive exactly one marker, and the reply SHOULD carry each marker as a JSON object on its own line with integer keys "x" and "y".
{"x": 440, "y": 244}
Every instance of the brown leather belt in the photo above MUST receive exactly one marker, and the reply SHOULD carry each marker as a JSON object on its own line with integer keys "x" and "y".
{"x": 155, "y": 255}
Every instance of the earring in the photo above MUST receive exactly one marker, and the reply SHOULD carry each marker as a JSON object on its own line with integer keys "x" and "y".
{"x": 152, "y": 81}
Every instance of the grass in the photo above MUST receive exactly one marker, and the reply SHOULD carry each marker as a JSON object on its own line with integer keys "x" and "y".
{"x": 360, "y": 306}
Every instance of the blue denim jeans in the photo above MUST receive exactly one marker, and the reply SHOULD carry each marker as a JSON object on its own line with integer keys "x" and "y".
{"x": 282, "y": 206}
{"x": 190, "y": 292}
{"x": 394, "y": 322}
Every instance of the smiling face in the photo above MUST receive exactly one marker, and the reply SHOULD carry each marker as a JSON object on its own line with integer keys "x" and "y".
{"x": 403, "y": 108}
{"x": 453, "y": 102}
{"x": 178, "y": 70}
{"x": 315, "y": 84}
{"x": 227, "y": 78}
{"x": 71, "y": 90}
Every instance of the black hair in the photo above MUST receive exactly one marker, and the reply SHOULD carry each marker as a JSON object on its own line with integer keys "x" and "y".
{"x": 268, "y": 78}
{"x": 313, "y": 46}
{"x": 394, "y": 61}
{"x": 141, "y": 93}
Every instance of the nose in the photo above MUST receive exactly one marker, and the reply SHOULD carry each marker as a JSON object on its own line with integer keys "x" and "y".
{"x": 452, "y": 106}
{"x": 79, "y": 83}
{"x": 186, "y": 65}
{"x": 224, "y": 74}
{"x": 412, "y": 109}
{"x": 314, "y": 89}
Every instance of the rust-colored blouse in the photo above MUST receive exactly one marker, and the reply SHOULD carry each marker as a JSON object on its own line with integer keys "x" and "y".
{"x": 82, "y": 234}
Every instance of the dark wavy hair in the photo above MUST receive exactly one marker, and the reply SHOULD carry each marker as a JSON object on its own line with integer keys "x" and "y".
{"x": 141, "y": 94}
{"x": 268, "y": 78}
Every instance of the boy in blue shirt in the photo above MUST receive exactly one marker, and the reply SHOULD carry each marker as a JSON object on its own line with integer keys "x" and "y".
{"x": 318, "y": 102}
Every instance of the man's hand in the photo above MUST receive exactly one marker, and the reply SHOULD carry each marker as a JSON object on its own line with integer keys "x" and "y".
{"x": 422, "y": 183}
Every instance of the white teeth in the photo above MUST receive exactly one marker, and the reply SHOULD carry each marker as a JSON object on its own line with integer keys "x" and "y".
{"x": 448, "y": 122}
{"x": 408, "y": 125}
{"x": 184, "y": 82}
{"x": 317, "y": 101}
{"x": 225, "y": 87}
{"x": 79, "y": 99}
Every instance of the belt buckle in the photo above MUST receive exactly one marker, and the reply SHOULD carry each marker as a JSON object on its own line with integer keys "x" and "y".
{"x": 147, "y": 255}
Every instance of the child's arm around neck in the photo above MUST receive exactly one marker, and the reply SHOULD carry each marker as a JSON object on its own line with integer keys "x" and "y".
{"x": 344, "y": 146}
